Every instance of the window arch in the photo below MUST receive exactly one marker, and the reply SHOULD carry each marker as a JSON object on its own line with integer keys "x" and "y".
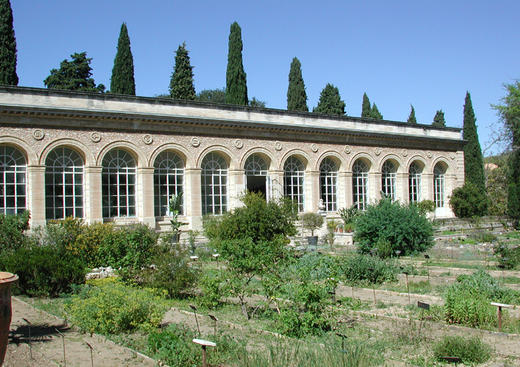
{"x": 255, "y": 166}
{"x": 360, "y": 184}
{"x": 414, "y": 182}
{"x": 63, "y": 184}
{"x": 388, "y": 178}
{"x": 13, "y": 168}
{"x": 439, "y": 172}
{"x": 118, "y": 184}
{"x": 168, "y": 179}
{"x": 214, "y": 184}
{"x": 293, "y": 174}
{"x": 328, "y": 184}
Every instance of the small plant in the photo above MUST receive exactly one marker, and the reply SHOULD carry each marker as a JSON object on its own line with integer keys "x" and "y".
{"x": 508, "y": 257}
{"x": 192, "y": 235}
{"x": 331, "y": 229}
{"x": 468, "y": 201}
{"x": 362, "y": 269}
{"x": 469, "y": 350}
{"x": 12, "y": 228}
{"x": 426, "y": 206}
{"x": 312, "y": 222}
{"x": 175, "y": 205}
{"x": 348, "y": 216}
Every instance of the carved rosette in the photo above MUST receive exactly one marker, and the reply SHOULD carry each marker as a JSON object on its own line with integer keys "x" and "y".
{"x": 95, "y": 137}
{"x": 378, "y": 151}
{"x": 404, "y": 153}
{"x": 38, "y": 134}
{"x": 147, "y": 139}
{"x": 429, "y": 154}
{"x": 237, "y": 143}
{"x": 452, "y": 156}
{"x": 195, "y": 142}
{"x": 347, "y": 149}
{"x": 278, "y": 145}
{"x": 314, "y": 148}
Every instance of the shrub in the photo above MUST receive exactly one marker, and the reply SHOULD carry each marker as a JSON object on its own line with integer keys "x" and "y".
{"x": 508, "y": 257}
{"x": 110, "y": 307}
{"x": 402, "y": 226}
{"x": 89, "y": 241}
{"x": 213, "y": 288}
{"x": 12, "y": 229}
{"x": 368, "y": 269}
{"x": 349, "y": 215}
{"x": 315, "y": 266}
{"x": 62, "y": 233}
{"x": 425, "y": 206}
{"x": 312, "y": 222}
{"x": 469, "y": 350}
{"x": 468, "y": 201}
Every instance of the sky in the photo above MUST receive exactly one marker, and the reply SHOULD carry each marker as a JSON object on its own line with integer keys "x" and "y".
{"x": 424, "y": 53}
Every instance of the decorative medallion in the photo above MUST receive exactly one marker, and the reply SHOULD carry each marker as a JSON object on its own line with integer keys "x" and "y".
{"x": 378, "y": 151}
{"x": 195, "y": 142}
{"x": 237, "y": 143}
{"x": 347, "y": 149}
{"x": 147, "y": 139}
{"x": 452, "y": 156}
{"x": 314, "y": 148}
{"x": 404, "y": 152}
{"x": 429, "y": 154}
{"x": 278, "y": 145}
{"x": 38, "y": 134}
{"x": 95, "y": 137}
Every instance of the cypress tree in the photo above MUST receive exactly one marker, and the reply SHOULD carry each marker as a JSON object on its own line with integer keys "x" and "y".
{"x": 365, "y": 107}
{"x": 236, "y": 86}
{"x": 330, "y": 102}
{"x": 438, "y": 120}
{"x": 122, "y": 81}
{"x": 181, "y": 83}
{"x": 473, "y": 161}
{"x": 8, "y": 74}
{"x": 411, "y": 117}
{"x": 296, "y": 95}
{"x": 374, "y": 113}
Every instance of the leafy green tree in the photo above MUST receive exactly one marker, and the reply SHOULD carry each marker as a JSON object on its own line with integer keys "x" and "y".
{"x": 122, "y": 81}
{"x": 366, "y": 108}
{"x": 509, "y": 112}
{"x": 212, "y": 95}
{"x": 296, "y": 95}
{"x": 330, "y": 102}
{"x": 74, "y": 75}
{"x": 496, "y": 184}
{"x": 374, "y": 113}
{"x": 8, "y": 74}
{"x": 473, "y": 160}
{"x": 256, "y": 103}
{"x": 438, "y": 120}
{"x": 469, "y": 201}
{"x": 411, "y": 117}
{"x": 181, "y": 83}
{"x": 236, "y": 85}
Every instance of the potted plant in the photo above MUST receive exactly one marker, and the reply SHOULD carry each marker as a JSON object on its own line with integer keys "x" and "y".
{"x": 311, "y": 222}
{"x": 174, "y": 206}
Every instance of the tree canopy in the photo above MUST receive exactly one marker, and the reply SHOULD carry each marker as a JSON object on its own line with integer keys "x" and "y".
{"x": 74, "y": 75}
{"x": 181, "y": 83}
{"x": 296, "y": 95}
{"x": 330, "y": 102}
{"x": 212, "y": 95}
{"x": 365, "y": 106}
{"x": 122, "y": 81}
{"x": 236, "y": 85}
{"x": 473, "y": 160}
{"x": 374, "y": 113}
{"x": 438, "y": 120}
{"x": 8, "y": 74}
{"x": 411, "y": 117}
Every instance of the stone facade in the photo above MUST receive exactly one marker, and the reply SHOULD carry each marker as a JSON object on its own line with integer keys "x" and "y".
{"x": 36, "y": 122}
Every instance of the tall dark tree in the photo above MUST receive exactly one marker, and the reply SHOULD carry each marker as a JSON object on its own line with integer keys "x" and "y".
{"x": 122, "y": 81}
{"x": 473, "y": 160}
{"x": 74, "y": 75}
{"x": 411, "y": 117}
{"x": 236, "y": 85}
{"x": 374, "y": 113}
{"x": 181, "y": 83}
{"x": 365, "y": 107}
{"x": 330, "y": 102}
{"x": 438, "y": 120}
{"x": 296, "y": 95}
{"x": 8, "y": 74}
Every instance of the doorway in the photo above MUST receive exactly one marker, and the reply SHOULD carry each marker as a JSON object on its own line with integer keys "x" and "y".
{"x": 257, "y": 184}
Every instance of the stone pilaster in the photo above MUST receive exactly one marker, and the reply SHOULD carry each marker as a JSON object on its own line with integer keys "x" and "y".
{"x": 311, "y": 191}
{"x": 192, "y": 197}
{"x": 342, "y": 194}
{"x": 36, "y": 195}
{"x": 374, "y": 187}
{"x": 276, "y": 183}
{"x": 401, "y": 187}
{"x": 236, "y": 188}
{"x": 93, "y": 195}
{"x": 145, "y": 197}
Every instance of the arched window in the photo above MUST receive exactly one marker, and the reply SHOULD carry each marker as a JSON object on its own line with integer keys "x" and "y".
{"x": 388, "y": 176}
{"x": 328, "y": 184}
{"x": 255, "y": 166}
{"x": 63, "y": 184}
{"x": 414, "y": 182}
{"x": 360, "y": 184}
{"x": 439, "y": 172}
{"x": 13, "y": 168}
{"x": 293, "y": 181}
{"x": 118, "y": 181}
{"x": 168, "y": 179}
{"x": 214, "y": 184}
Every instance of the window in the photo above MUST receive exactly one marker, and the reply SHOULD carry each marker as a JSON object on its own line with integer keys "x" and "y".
{"x": 388, "y": 179}
{"x": 214, "y": 184}
{"x": 360, "y": 184}
{"x": 293, "y": 181}
{"x": 12, "y": 181}
{"x": 414, "y": 182}
{"x": 118, "y": 181}
{"x": 168, "y": 180}
{"x": 438, "y": 185}
{"x": 63, "y": 184}
{"x": 328, "y": 184}
{"x": 255, "y": 166}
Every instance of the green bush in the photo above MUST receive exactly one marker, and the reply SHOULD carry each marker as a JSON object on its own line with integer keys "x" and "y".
{"x": 390, "y": 222}
{"x": 213, "y": 288}
{"x": 469, "y": 350}
{"x": 61, "y": 233}
{"x": 312, "y": 221}
{"x": 12, "y": 228}
{"x": 315, "y": 266}
{"x": 90, "y": 240}
{"x": 425, "y": 206}
{"x": 362, "y": 269}
{"x": 508, "y": 257}
{"x": 468, "y": 201}
{"x": 349, "y": 215}
{"x": 110, "y": 307}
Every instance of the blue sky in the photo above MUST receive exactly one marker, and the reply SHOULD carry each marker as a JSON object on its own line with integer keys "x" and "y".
{"x": 425, "y": 53}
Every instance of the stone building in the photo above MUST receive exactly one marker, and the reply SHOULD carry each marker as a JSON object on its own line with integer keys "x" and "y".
{"x": 118, "y": 158}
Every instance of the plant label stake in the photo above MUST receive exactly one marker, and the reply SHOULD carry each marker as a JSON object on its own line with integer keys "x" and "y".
{"x": 499, "y": 312}
{"x": 427, "y": 257}
{"x": 30, "y": 344}
{"x": 196, "y": 320}
{"x": 214, "y": 318}
{"x": 63, "y": 340}
{"x": 204, "y": 344}
{"x": 343, "y": 337}
{"x": 405, "y": 272}
{"x": 91, "y": 355}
